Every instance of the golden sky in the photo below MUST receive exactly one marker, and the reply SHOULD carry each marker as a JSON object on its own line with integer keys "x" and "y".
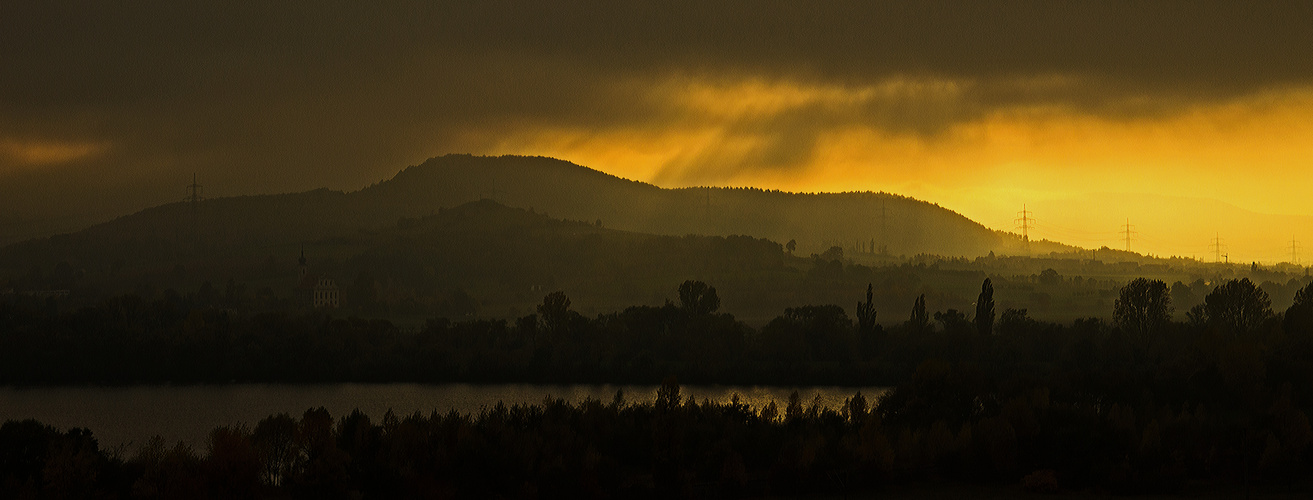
{"x": 1181, "y": 180}
{"x": 1190, "y": 119}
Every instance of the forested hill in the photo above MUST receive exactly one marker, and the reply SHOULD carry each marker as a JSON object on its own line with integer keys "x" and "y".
{"x": 477, "y": 258}
{"x": 243, "y": 227}
{"x": 815, "y": 221}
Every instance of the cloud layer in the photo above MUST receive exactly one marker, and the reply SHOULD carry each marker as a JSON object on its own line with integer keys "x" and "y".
{"x": 108, "y": 107}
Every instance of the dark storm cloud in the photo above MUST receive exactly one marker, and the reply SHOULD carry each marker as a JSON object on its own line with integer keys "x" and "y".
{"x": 267, "y": 96}
{"x": 104, "y": 56}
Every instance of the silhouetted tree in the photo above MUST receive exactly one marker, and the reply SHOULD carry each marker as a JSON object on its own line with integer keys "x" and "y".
{"x": 274, "y": 439}
{"x": 233, "y": 464}
{"x": 1143, "y": 307}
{"x": 555, "y": 312}
{"x": 667, "y": 396}
{"x": 698, "y": 298}
{"x": 527, "y": 326}
{"x": 1237, "y": 306}
{"x": 324, "y": 465}
{"x": 1299, "y": 317}
{"x": 667, "y": 439}
{"x": 866, "y": 314}
{"x": 1014, "y": 320}
{"x": 953, "y": 321}
{"x": 1197, "y": 316}
{"x": 985, "y": 309}
{"x": 791, "y": 246}
{"x": 920, "y": 321}
{"x": 808, "y": 334}
{"x": 834, "y": 253}
{"x": 1050, "y": 277}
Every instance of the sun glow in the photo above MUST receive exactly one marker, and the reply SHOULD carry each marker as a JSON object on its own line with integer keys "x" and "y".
{"x": 1080, "y": 170}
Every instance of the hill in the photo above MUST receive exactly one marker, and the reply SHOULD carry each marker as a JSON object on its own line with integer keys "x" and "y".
{"x": 424, "y": 241}
{"x": 853, "y": 220}
{"x": 478, "y": 258}
{"x": 235, "y": 226}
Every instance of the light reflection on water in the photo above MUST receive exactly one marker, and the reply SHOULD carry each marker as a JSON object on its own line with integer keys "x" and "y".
{"x": 127, "y": 416}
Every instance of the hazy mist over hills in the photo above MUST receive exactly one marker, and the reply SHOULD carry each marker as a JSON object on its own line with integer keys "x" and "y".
{"x": 503, "y": 230}
{"x": 816, "y": 221}
{"x": 563, "y": 190}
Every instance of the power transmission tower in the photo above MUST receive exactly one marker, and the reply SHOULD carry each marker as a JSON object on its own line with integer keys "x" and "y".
{"x": 193, "y": 193}
{"x": 1025, "y": 218}
{"x": 1127, "y": 228}
{"x": 1217, "y": 247}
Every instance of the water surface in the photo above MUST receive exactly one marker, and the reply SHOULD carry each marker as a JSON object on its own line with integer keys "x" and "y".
{"x": 125, "y": 417}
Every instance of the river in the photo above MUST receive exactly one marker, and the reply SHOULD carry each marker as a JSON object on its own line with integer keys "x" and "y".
{"x": 123, "y": 418}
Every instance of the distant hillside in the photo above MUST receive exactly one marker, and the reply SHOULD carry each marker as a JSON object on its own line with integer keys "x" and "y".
{"x": 816, "y": 221}
{"x": 485, "y": 259}
{"x": 477, "y": 258}
{"x": 241, "y": 228}
{"x": 509, "y": 257}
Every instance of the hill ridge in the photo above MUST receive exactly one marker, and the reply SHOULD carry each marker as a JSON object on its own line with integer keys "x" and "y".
{"x": 562, "y": 189}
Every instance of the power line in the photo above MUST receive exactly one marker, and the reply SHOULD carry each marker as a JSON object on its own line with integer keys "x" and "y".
{"x": 1049, "y": 225}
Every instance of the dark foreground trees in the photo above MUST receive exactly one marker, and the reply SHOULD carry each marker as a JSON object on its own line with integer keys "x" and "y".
{"x": 1299, "y": 317}
{"x": 1084, "y": 406}
{"x": 127, "y": 340}
{"x": 985, "y": 309}
{"x": 952, "y": 422}
{"x": 1143, "y": 307}
{"x": 1237, "y": 307}
{"x": 698, "y": 298}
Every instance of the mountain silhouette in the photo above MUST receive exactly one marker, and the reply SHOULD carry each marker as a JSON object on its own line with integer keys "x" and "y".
{"x": 249, "y": 226}
{"x": 570, "y": 191}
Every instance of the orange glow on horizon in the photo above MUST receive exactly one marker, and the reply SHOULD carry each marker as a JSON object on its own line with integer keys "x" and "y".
{"x": 1083, "y": 174}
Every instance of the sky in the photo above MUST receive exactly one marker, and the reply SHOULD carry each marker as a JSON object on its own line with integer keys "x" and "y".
{"x": 1191, "y": 121}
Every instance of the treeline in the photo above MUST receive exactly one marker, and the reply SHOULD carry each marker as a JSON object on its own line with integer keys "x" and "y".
{"x": 939, "y": 428}
{"x": 127, "y": 340}
{"x": 1139, "y": 405}
{"x": 185, "y": 339}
